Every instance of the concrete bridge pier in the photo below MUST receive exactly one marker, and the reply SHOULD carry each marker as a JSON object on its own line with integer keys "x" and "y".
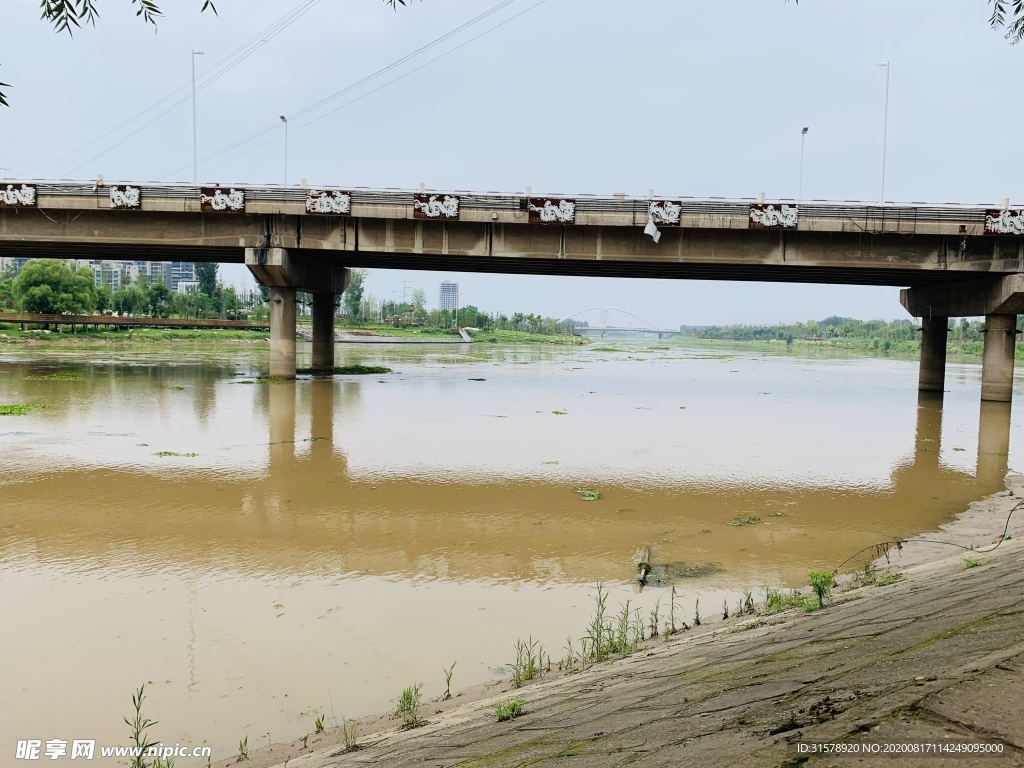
{"x": 323, "y": 332}
{"x": 997, "y": 358}
{"x": 282, "y": 331}
{"x": 286, "y": 272}
{"x": 999, "y": 299}
{"x": 932, "y": 376}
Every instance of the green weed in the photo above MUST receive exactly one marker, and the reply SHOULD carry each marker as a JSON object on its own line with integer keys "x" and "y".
{"x": 318, "y": 724}
{"x": 887, "y": 578}
{"x": 740, "y": 521}
{"x": 304, "y": 739}
{"x": 350, "y": 729}
{"x": 243, "y": 748}
{"x": 56, "y": 377}
{"x": 448, "y": 682}
{"x": 588, "y": 494}
{"x": 15, "y": 410}
{"x": 776, "y": 600}
{"x": 821, "y": 582}
{"x": 509, "y": 710}
{"x": 408, "y": 706}
{"x": 175, "y": 453}
{"x": 176, "y": 388}
{"x": 560, "y": 413}
{"x": 528, "y": 662}
{"x": 140, "y": 725}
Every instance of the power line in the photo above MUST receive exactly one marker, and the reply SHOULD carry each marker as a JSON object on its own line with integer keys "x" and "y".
{"x": 368, "y": 93}
{"x": 353, "y": 86}
{"x": 210, "y": 75}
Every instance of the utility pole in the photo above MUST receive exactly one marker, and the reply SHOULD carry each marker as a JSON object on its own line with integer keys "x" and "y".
{"x": 195, "y": 134}
{"x": 285, "y": 121}
{"x": 885, "y": 128}
{"x": 800, "y": 192}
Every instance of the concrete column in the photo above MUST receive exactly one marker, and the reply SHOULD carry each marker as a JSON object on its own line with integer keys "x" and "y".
{"x": 932, "y": 376}
{"x": 282, "y": 332}
{"x": 323, "y": 332}
{"x": 997, "y": 360}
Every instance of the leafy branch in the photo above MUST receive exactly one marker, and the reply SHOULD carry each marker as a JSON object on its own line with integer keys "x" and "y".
{"x": 1015, "y": 26}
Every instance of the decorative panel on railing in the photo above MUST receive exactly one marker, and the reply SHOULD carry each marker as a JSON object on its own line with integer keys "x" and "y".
{"x": 773, "y": 216}
{"x": 435, "y": 206}
{"x": 18, "y": 196}
{"x": 666, "y": 212}
{"x": 126, "y": 197}
{"x": 545, "y": 210}
{"x": 1004, "y": 222}
{"x": 328, "y": 202}
{"x": 215, "y": 199}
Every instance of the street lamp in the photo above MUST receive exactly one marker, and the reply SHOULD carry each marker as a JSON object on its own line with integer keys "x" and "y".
{"x": 800, "y": 193}
{"x": 195, "y": 151}
{"x": 285, "y": 121}
{"x": 885, "y": 128}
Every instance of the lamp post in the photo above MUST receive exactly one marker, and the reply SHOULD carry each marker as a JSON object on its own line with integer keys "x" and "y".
{"x": 885, "y": 128}
{"x": 800, "y": 193}
{"x": 285, "y": 121}
{"x": 195, "y": 137}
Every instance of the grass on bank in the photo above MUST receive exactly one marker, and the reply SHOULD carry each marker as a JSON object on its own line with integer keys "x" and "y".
{"x": 492, "y": 336}
{"x": 136, "y": 335}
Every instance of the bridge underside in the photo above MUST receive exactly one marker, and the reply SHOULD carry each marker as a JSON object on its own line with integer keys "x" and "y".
{"x": 518, "y": 265}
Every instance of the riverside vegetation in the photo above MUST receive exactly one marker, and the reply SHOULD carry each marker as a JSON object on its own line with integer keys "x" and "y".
{"x": 966, "y": 337}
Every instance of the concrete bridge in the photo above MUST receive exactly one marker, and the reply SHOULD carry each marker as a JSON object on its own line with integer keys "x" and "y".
{"x": 954, "y": 260}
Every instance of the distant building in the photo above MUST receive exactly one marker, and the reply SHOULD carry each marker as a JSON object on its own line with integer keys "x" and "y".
{"x": 449, "y": 296}
{"x": 182, "y": 271}
{"x": 11, "y": 262}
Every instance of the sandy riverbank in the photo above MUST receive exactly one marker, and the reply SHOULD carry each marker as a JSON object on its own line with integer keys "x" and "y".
{"x": 935, "y": 601}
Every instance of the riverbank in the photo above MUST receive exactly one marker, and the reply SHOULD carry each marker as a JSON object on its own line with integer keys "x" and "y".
{"x": 912, "y": 657}
{"x": 12, "y": 334}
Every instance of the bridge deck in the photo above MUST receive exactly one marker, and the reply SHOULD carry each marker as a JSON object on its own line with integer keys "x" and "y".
{"x": 834, "y": 242}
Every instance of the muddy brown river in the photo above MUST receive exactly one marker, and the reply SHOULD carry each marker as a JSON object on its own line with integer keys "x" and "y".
{"x": 262, "y": 552}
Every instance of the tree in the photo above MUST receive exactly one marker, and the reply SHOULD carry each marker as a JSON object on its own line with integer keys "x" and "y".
{"x": 158, "y": 298}
{"x": 7, "y": 298}
{"x": 1015, "y": 26}
{"x": 206, "y": 274}
{"x": 49, "y": 286}
{"x": 104, "y": 298}
{"x": 353, "y": 296}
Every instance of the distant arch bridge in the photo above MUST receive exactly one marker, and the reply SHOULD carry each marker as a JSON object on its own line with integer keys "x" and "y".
{"x": 609, "y": 326}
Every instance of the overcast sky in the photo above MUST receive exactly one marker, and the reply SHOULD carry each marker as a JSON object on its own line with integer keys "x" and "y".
{"x": 597, "y": 96}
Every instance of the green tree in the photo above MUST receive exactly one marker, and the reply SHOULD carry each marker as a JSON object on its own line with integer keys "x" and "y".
{"x": 230, "y": 306}
{"x": 353, "y": 296}
{"x": 49, "y": 286}
{"x": 158, "y": 298}
{"x": 206, "y": 275}
{"x": 7, "y": 299}
{"x": 104, "y": 298}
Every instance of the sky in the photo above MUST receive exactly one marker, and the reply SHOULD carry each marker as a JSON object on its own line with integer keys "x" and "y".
{"x": 566, "y": 96}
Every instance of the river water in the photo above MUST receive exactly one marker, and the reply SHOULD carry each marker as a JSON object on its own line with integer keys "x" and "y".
{"x": 317, "y": 545}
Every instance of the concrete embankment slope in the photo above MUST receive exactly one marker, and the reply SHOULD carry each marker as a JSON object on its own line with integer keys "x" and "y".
{"x": 938, "y": 654}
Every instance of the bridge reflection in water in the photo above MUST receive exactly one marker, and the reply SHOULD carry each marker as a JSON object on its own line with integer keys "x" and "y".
{"x": 308, "y": 507}
{"x": 395, "y": 524}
